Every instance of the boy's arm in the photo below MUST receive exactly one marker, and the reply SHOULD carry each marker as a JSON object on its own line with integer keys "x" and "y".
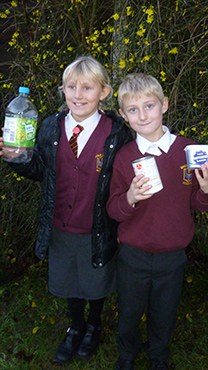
{"x": 203, "y": 177}
{"x": 199, "y": 198}
{"x": 124, "y": 197}
{"x": 137, "y": 190}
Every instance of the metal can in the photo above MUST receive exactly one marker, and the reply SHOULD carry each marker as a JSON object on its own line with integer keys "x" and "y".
{"x": 148, "y": 167}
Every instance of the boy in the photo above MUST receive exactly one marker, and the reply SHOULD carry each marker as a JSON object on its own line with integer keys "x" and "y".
{"x": 154, "y": 229}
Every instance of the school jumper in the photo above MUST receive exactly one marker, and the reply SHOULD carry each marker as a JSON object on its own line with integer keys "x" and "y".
{"x": 153, "y": 236}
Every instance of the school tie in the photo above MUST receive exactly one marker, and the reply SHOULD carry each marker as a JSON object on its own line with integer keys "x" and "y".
{"x": 73, "y": 139}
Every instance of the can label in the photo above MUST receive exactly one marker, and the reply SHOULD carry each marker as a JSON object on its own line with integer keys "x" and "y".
{"x": 148, "y": 167}
{"x": 20, "y": 132}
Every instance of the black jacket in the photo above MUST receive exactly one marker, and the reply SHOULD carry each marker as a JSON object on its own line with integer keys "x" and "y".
{"x": 42, "y": 167}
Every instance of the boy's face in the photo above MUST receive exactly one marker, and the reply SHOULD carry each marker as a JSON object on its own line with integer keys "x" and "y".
{"x": 144, "y": 114}
{"x": 83, "y": 95}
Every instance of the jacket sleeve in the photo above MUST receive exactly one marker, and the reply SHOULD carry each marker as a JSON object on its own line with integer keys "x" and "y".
{"x": 32, "y": 170}
{"x": 35, "y": 168}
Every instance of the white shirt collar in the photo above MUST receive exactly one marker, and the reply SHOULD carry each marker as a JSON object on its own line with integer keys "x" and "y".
{"x": 89, "y": 123}
{"x": 164, "y": 143}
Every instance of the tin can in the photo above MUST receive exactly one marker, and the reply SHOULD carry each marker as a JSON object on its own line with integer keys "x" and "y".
{"x": 148, "y": 167}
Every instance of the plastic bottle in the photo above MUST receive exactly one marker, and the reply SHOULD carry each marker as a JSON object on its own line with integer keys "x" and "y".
{"x": 20, "y": 125}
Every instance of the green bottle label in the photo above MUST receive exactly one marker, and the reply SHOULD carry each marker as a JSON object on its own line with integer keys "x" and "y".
{"x": 20, "y": 132}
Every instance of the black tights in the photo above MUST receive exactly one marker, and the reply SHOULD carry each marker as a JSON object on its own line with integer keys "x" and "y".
{"x": 76, "y": 309}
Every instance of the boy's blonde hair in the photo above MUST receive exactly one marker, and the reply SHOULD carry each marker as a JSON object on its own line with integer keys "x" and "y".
{"x": 88, "y": 67}
{"x": 137, "y": 83}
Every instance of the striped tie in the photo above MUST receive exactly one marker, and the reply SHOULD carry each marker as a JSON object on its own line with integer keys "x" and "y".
{"x": 73, "y": 140}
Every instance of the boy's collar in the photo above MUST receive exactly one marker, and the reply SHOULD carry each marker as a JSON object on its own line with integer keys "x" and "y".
{"x": 164, "y": 143}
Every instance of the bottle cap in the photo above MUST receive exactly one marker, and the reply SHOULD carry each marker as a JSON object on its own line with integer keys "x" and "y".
{"x": 24, "y": 90}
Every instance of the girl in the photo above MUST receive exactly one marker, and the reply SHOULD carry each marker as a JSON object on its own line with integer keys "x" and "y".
{"x": 73, "y": 223}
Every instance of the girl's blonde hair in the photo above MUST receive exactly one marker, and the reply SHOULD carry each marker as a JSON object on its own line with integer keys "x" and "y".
{"x": 88, "y": 67}
{"x": 137, "y": 83}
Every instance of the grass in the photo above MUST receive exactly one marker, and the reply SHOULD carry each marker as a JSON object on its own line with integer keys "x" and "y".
{"x": 33, "y": 323}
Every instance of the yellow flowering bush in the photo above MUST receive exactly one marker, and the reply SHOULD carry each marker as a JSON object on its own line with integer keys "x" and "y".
{"x": 167, "y": 39}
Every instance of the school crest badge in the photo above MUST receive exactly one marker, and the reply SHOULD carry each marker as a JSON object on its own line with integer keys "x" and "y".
{"x": 99, "y": 162}
{"x": 187, "y": 175}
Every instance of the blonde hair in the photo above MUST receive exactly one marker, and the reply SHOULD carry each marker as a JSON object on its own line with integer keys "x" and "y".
{"x": 88, "y": 67}
{"x": 137, "y": 83}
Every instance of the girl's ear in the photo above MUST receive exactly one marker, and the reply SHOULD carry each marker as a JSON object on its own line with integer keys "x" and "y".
{"x": 105, "y": 92}
{"x": 122, "y": 114}
{"x": 165, "y": 105}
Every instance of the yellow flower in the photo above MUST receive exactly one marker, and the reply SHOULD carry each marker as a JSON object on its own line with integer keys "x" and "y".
{"x": 163, "y": 74}
{"x": 146, "y": 59}
{"x": 35, "y": 329}
{"x": 3, "y": 197}
{"x": 128, "y": 11}
{"x": 189, "y": 317}
{"x": 144, "y": 317}
{"x": 189, "y": 279}
{"x": 110, "y": 29}
{"x": 115, "y": 16}
{"x": 33, "y": 304}
{"x": 126, "y": 41}
{"x": 141, "y": 30}
{"x": 52, "y": 320}
{"x": 150, "y": 19}
{"x": 194, "y": 105}
{"x": 13, "y": 3}
{"x": 122, "y": 63}
{"x": 2, "y": 15}
{"x": 173, "y": 51}
{"x": 150, "y": 11}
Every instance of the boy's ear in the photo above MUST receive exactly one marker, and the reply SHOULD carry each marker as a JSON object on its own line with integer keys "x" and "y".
{"x": 165, "y": 105}
{"x": 105, "y": 92}
{"x": 122, "y": 114}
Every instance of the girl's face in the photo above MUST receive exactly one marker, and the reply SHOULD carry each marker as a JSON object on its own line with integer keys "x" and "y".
{"x": 144, "y": 114}
{"x": 83, "y": 96}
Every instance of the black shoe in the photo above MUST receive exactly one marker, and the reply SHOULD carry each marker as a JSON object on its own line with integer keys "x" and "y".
{"x": 69, "y": 346}
{"x": 90, "y": 342}
{"x": 123, "y": 364}
{"x": 158, "y": 365}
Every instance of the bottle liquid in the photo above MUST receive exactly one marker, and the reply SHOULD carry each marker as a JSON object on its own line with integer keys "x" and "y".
{"x": 20, "y": 125}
